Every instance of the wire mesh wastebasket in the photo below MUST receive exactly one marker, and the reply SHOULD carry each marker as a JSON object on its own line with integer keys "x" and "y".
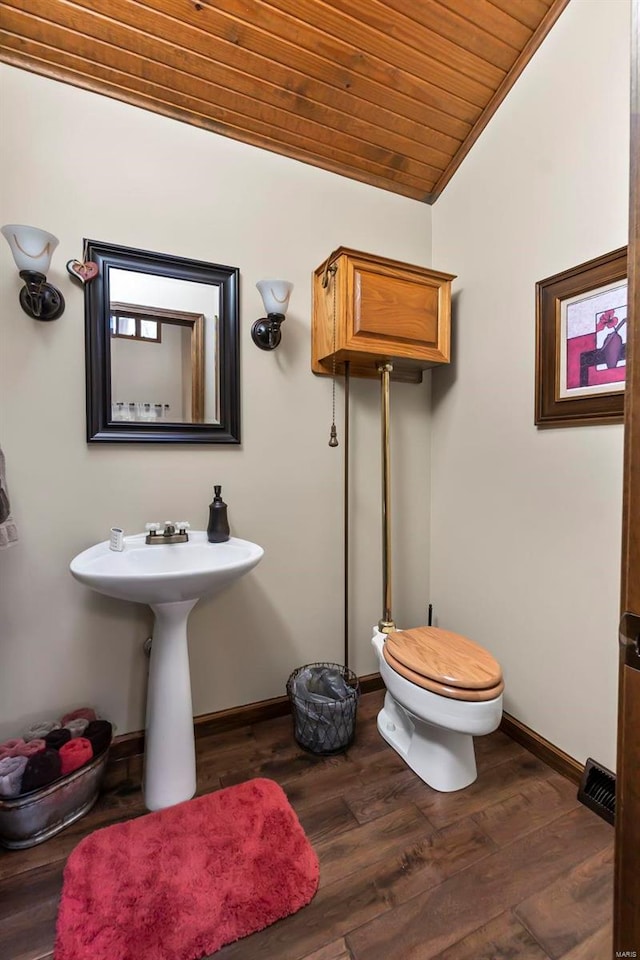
{"x": 324, "y": 702}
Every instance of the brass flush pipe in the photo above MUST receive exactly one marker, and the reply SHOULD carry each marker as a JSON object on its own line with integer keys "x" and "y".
{"x": 386, "y": 624}
{"x": 347, "y": 378}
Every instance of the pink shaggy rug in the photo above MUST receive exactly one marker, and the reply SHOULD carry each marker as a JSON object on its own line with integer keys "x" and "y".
{"x": 180, "y": 883}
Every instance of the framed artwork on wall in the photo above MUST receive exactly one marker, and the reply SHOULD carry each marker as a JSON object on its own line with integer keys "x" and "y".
{"x": 581, "y": 343}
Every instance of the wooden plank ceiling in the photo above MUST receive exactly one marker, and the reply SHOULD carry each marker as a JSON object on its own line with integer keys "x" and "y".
{"x": 390, "y": 92}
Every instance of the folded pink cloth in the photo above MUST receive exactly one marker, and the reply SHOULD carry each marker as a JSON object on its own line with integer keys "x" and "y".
{"x": 11, "y": 748}
{"x": 29, "y": 749}
{"x": 74, "y": 754}
{"x": 39, "y": 730}
{"x": 11, "y": 770}
{"x": 82, "y": 713}
{"x": 76, "y": 727}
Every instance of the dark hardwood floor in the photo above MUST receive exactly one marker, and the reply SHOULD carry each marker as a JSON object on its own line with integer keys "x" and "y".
{"x": 511, "y": 867}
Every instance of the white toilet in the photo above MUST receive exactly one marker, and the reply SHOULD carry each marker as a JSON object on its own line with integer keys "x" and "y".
{"x": 442, "y": 690}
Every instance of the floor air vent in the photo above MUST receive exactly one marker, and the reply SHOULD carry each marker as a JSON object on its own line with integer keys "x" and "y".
{"x": 598, "y": 790}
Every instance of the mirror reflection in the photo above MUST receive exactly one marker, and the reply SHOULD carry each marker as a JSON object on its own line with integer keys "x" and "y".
{"x": 162, "y": 348}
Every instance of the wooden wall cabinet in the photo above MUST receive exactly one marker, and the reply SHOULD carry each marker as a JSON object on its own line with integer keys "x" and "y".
{"x": 385, "y": 310}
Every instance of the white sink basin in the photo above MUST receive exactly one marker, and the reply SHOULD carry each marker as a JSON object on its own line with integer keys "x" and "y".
{"x": 171, "y": 578}
{"x": 165, "y": 573}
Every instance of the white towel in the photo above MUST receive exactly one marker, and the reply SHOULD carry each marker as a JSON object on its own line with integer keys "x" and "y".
{"x": 76, "y": 727}
{"x": 39, "y": 730}
{"x": 8, "y": 529}
{"x": 11, "y": 771}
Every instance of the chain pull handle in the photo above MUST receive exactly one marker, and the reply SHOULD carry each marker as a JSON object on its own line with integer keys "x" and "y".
{"x": 332, "y": 269}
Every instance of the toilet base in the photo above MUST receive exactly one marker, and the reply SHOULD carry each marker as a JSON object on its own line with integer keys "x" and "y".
{"x": 444, "y": 759}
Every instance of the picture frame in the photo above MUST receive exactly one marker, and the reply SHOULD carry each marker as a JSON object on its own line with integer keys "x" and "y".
{"x": 581, "y": 332}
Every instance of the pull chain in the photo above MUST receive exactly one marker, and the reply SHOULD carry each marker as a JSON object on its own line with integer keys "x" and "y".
{"x": 333, "y": 435}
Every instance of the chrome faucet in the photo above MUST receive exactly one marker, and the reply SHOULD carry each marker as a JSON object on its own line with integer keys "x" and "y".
{"x": 172, "y": 533}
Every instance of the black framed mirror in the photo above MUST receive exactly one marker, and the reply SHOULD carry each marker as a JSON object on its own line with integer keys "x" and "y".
{"x": 162, "y": 348}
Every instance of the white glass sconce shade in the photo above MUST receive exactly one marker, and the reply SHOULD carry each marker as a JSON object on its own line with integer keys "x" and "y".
{"x": 275, "y": 295}
{"x": 32, "y": 248}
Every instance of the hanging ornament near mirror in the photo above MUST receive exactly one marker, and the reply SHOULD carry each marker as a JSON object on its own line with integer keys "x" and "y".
{"x": 82, "y": 270}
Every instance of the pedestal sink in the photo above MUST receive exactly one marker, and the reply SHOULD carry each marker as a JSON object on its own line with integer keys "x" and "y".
{"x": 170, "y": 578}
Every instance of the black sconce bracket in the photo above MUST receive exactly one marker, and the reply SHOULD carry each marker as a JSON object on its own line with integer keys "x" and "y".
{"x": 266, "y": 332}
{"x": 41, "y": 300}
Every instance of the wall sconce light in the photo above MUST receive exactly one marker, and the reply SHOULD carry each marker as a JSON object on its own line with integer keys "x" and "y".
{"x": 275, "y": 296}
{"x": 32, "y": 250}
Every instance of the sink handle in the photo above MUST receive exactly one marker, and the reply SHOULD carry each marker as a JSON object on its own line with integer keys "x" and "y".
{"x": 169, "y": 532}
{"x": 183, "y": 525}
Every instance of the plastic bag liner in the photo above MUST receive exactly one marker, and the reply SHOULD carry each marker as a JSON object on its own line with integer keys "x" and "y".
{"x": 324, "y": 700}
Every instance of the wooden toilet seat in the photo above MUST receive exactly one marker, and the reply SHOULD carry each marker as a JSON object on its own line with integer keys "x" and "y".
{"x": 445, "y": 663}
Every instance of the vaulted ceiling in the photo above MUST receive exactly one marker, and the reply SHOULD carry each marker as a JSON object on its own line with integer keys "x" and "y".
{"x": 390, "y": 92}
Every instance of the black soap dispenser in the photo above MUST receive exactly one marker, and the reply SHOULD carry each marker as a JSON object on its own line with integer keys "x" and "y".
{"x": 218, "y": 529}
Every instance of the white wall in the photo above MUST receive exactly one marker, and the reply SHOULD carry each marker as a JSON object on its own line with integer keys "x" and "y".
{"x": 177, "y": 189}
{"x": 526, "y": 522}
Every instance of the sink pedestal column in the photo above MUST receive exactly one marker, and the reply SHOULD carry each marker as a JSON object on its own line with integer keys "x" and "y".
{"x": 170, "y": 756}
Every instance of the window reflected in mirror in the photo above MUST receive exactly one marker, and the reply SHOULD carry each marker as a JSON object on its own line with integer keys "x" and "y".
{"x": 133, "y": 322}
